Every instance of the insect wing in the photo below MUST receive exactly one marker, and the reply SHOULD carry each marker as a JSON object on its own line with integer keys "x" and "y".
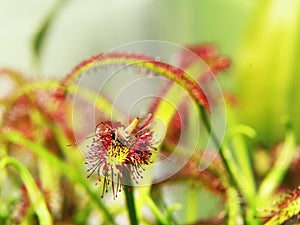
{"x": 143, "y": 120}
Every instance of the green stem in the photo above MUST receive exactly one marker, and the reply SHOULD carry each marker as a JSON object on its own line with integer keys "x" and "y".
{"x": 231, "y": 178}
{"x": 130, "y": 199}
{"x": 37, "y": 198}
{"x": 156, "y": 211}
{"x": 191, "y": 206}
{"x": 73, "y": 174}
{"x": 216, "y": 141}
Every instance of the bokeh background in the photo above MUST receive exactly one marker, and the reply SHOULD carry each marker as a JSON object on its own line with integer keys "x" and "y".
{"x": 262, "y": 39}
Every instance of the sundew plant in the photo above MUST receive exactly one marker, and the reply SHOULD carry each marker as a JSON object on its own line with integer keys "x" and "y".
{"x": 150, "y": 132}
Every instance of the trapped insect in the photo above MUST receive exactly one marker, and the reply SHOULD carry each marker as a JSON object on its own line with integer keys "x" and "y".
{"x": 127, "y": 136}
{"x": 117, "y": 149}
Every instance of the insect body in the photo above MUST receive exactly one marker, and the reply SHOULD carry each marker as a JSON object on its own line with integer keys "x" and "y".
{"x": 138, "y": 125}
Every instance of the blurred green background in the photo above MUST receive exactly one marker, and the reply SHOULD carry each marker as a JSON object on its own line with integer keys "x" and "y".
{"x": 82, "y": 28}
{"x": 261, "y": 38}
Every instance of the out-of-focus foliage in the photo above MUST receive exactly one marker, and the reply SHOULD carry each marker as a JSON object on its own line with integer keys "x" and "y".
{"x": 44, "y": 182}
{"x": 267, "y": 70}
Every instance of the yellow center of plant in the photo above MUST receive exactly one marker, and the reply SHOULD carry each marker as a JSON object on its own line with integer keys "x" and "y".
{"x": 117, "y": 152}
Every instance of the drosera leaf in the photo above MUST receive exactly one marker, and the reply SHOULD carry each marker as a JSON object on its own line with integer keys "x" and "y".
{"x": 145, "y": 62}
{"x": 236, "y": 137}
{"x": 16, "y": 76}
{"x": 30, "y": 88}
{"x": 36, "y": 197}
{"x": 113, "y": 58}
{"x": 234, "y": 211}
{"x": 72, "y": 173}
{"x": 281, "y": 165}
{"x": 285, "y": 208}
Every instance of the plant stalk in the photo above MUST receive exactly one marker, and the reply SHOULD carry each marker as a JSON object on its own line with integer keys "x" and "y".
{"x": 129, "y": 190}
